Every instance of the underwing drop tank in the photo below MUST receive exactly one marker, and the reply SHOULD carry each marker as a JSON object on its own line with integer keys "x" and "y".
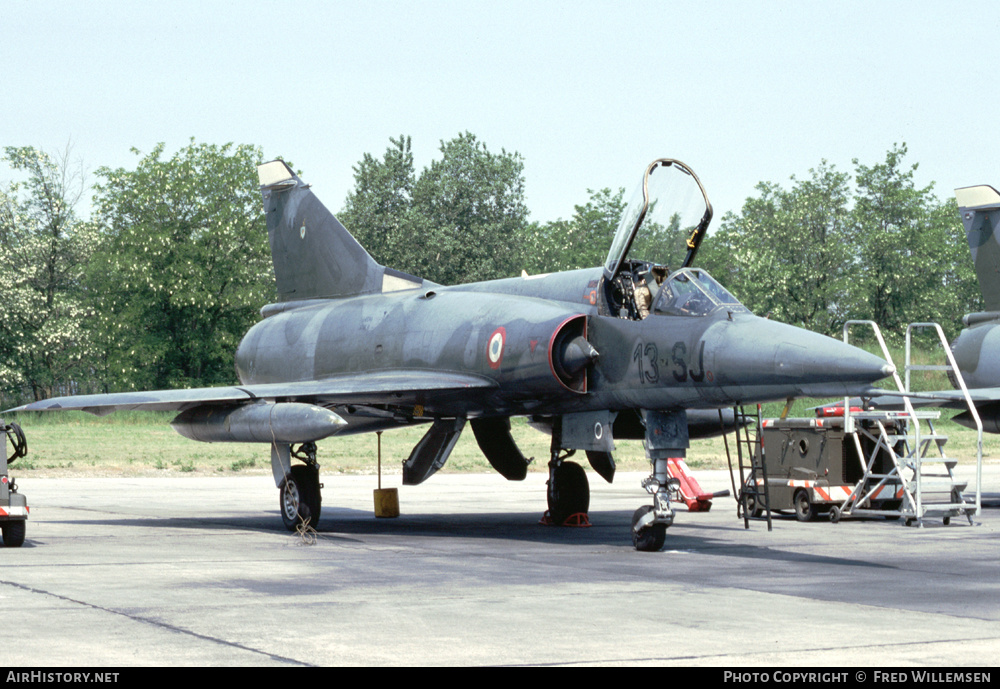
{"x": 284, "y": 422}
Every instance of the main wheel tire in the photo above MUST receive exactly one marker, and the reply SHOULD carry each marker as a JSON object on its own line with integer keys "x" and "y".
{"x": 649, "y": 539}
{"x": 805, "y": 511}
{"x": 570, "y": 494}
{"x": 13, "y": 533}
{"x": 299, "y": 498}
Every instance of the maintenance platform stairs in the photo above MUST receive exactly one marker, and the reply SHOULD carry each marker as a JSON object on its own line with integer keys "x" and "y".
{"x": 923, "y": 475}
{"x": 916, "y": 483}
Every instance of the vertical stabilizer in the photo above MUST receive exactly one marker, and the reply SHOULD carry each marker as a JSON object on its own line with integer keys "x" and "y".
{"x": 314, "y": 256}
{"x": 980, "y": 210}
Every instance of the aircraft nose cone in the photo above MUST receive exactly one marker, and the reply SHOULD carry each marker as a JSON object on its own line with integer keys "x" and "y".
{"x": 830, "y": 366}
{"x": 793, "y": 362}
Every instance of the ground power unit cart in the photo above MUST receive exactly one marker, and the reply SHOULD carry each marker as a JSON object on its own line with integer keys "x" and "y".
{"x": 813, "y": 467}
{"x": 13, "y": 505}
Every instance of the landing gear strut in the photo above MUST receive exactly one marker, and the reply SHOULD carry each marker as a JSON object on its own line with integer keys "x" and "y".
{"x": 299, "y": 493}
{"x": 666, "y": 436}
{"x": 568, "y": 490}
{"x": 650, "y": 522}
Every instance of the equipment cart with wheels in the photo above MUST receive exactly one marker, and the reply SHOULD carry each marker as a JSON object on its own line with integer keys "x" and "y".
{"x": 813, "y": 467}
{"x": 13, "y": 505}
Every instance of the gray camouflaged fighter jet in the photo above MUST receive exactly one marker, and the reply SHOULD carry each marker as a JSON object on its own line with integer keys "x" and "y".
{"x": 977, "y": 348}
{"x": 623, "y": 350}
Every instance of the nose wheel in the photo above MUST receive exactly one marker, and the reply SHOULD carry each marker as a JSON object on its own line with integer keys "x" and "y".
{"x": 650, "y": 522}
{"x": 647, "y": 535}
{"x": 666, "y": 438}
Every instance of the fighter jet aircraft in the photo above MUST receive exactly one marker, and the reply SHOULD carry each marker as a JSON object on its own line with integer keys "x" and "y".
{"x": 977, "y": 348}
{"x": 622, "y": 350}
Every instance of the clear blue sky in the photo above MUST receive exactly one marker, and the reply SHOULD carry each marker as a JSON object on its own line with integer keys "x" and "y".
{"x": 586, "y": 92}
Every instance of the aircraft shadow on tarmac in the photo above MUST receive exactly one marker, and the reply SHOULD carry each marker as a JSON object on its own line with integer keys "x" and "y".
{"x": 355, "y": 526}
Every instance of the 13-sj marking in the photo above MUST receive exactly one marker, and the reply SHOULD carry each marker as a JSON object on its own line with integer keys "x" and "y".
{"x": 647, "y": 363}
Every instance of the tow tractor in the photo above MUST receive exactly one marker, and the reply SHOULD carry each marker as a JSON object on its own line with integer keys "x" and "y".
{"x": 13, "y": 505}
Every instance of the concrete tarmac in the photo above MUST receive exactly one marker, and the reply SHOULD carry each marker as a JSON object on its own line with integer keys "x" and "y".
{"x": 200, "y": 572}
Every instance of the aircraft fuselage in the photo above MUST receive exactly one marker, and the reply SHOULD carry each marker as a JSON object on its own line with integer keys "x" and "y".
{"x": 507, "y": 332}
{"x": 974, "y": 351}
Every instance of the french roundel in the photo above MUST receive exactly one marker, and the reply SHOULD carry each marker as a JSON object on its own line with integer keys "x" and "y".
{"x": 494, "y": 349}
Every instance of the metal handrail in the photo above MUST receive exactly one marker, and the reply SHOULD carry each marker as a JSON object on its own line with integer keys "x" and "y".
{"x": 953, "y": 366}
{"x": 911, "y": 414}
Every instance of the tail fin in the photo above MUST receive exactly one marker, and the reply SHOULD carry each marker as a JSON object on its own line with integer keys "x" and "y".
{"x": 980, "y": 211}
{"x": 314, "y": 256}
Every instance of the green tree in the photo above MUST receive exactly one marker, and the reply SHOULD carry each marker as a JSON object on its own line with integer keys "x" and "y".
{"x": 786, "y": 254}
{"x": 378, "y": 210}
{"x": 460, "y": 220}
{"x": 913, "y": 258}
{"x": 817, "y": 255}
{"x": 581, "y": 242}
{"x": 544, "y": 245}
{"x": 182, "y": 268}
{"x": 43, "y": 250}
{"x": 470, "y": 212}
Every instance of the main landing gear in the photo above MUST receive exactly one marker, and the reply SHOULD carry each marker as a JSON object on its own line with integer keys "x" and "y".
{"x": 569, "y": 500}
{"x": 13, "y": 505}
{"x": 568, "y": 489}
{"x": 299, "y": 493}
{"x": 568, "y": 492}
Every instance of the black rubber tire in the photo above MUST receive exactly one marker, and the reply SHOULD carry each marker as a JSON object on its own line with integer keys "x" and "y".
{"x": 13, "y": 533}
{"x": 299, "y": 498}
{"x": 805, "y": 511}
{"x": 651, "y": 538}
{"x": 571, "y": 493}
{"x": 835, "y": 514}
{"x": 753, "y": 510}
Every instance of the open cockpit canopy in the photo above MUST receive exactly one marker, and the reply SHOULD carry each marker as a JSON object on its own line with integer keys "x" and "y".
{"x": 665, "y": 221}
{"x": 660, "y": 232}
